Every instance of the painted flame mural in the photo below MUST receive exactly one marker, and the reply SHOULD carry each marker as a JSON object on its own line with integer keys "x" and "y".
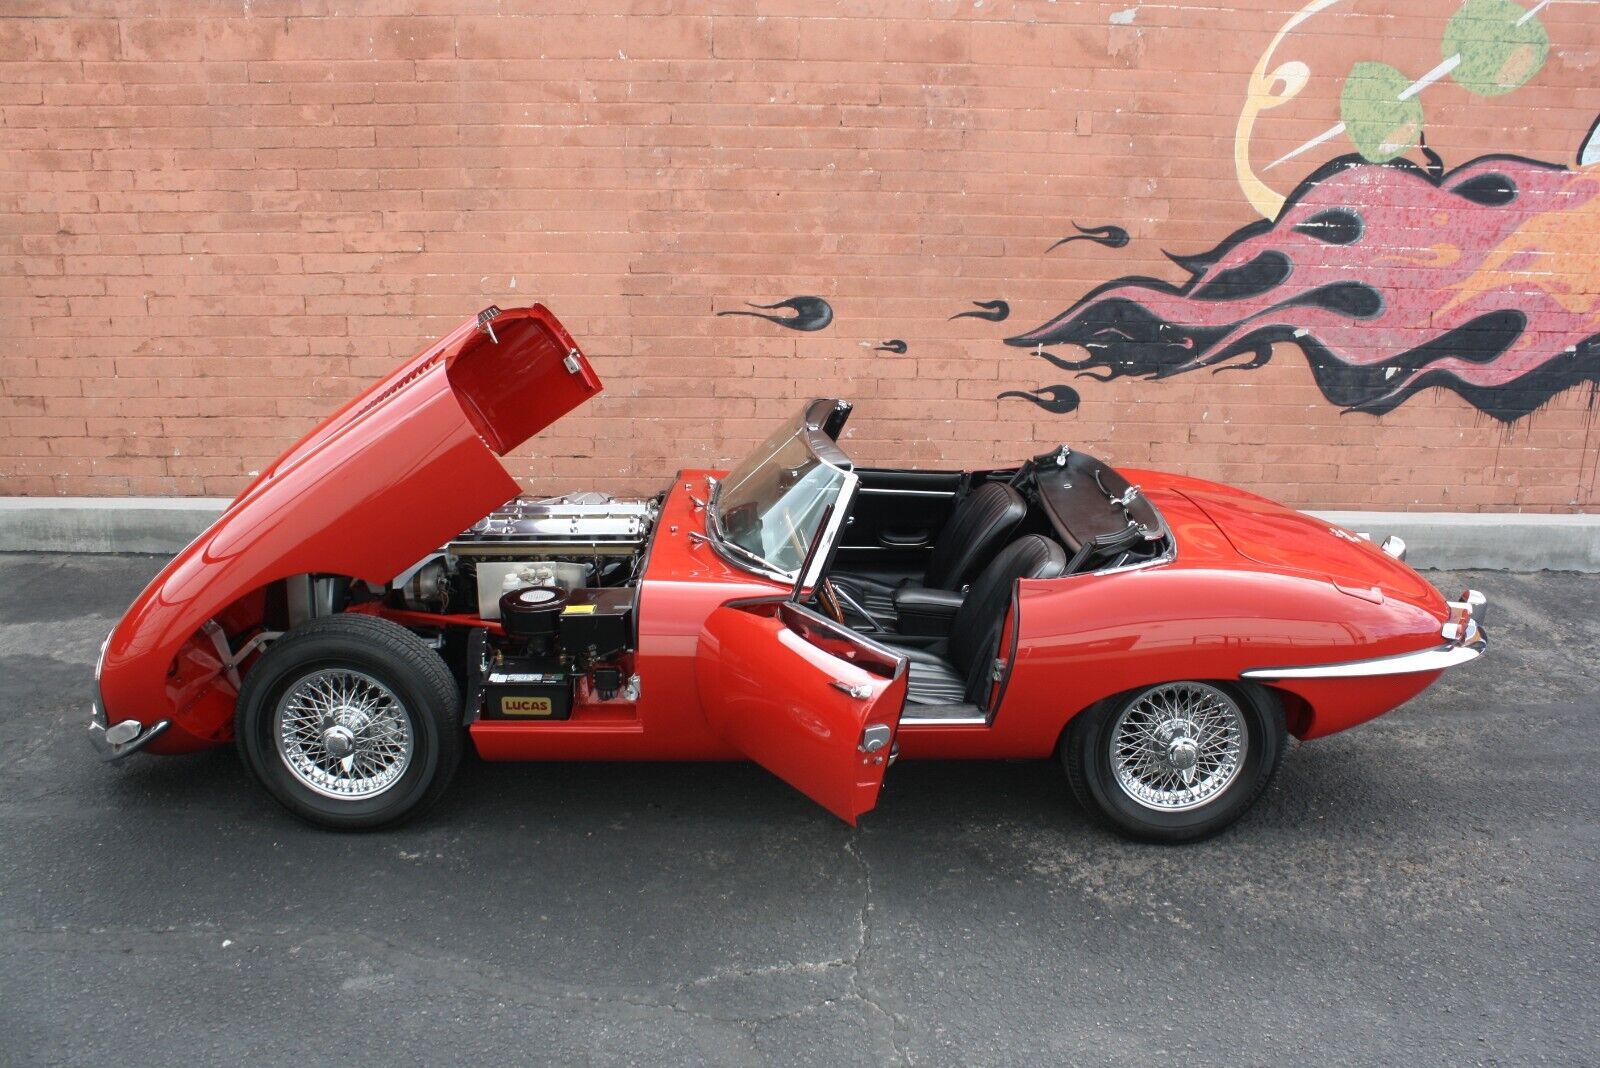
{"x": 1389, "y": 277}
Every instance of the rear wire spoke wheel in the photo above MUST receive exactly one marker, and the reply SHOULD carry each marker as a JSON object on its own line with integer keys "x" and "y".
{"x": 1177, "y": 761}
{"x": 350, "y": 722}
{"x": 1177, "y": 746}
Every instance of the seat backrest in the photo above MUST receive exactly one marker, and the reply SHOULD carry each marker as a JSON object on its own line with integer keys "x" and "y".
{"x": 980, "y": 524}
{"x": 975, "y": 631}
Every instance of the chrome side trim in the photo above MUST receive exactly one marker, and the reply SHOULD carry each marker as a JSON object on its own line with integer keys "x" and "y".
{"x": 1165, "y": 558}
{"x": 891, "y": 492}
{"x": 1436, "y": 659}
{"x": 935, "y": 721}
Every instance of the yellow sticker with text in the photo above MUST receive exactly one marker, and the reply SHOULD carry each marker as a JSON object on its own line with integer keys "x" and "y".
{"x": 525, "y": 706}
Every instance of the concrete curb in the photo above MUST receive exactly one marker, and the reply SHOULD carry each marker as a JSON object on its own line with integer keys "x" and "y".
{"x": 1447, "y": 540}
{"x": 1501, "y": 541}
{"x": 104, "y": 524}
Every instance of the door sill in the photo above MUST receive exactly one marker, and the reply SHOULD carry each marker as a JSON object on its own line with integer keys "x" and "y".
{"x": 944, "y": 716}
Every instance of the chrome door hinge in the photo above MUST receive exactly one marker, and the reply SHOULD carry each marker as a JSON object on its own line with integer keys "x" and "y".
{"x": 998, "y": 672}
{"x": 875, "y": 738}
{"x": 571, "y": 362}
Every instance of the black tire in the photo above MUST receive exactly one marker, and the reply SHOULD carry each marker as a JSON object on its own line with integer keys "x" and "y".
{"x": 1086, "y": 754}
{"x": 415, "y": 676}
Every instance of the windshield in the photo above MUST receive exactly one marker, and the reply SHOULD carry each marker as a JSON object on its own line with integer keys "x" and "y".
{"x": 770, "y": 507}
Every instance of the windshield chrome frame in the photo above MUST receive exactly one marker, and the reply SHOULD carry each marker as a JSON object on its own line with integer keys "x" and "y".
{"x": 743, "y": 558}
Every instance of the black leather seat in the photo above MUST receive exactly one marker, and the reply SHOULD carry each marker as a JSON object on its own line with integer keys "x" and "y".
{"x": 957, "y": 670}
{"x": 980, "y": 524}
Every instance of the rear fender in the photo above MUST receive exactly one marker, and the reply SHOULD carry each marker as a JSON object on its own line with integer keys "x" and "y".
{"x": 1327, "y": 706}
{"x": 1089, "y": 637}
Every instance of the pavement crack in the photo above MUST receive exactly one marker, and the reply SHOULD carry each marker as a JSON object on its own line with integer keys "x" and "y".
{"x": 859, "y": 984}
{"x": 762, "y": 971}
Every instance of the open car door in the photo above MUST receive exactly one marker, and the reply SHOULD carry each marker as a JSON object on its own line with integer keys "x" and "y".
{"x": 808, "y": 699}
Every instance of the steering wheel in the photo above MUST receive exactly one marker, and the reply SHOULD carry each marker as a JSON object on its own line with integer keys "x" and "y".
{"x": 828, "y": 600}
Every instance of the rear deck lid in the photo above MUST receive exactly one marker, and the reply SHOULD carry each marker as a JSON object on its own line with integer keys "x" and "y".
{"x": 1282, "y": 538}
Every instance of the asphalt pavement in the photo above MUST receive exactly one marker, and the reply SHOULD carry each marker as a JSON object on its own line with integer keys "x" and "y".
{"x": 1422, "y": 889}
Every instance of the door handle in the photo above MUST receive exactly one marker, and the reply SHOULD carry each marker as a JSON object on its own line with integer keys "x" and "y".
{"x": 860, "y": 691}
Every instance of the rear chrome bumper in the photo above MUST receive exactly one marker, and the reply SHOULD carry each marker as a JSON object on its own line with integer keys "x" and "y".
{"x": 1465, "y": 641}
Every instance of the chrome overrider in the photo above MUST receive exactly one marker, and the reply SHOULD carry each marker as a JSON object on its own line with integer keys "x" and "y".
{"x": 126, "y": 737}
{"x": 1464, "y": 640}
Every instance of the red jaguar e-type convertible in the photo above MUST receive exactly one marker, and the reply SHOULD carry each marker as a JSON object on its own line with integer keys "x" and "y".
{"x": 382, "y": 595}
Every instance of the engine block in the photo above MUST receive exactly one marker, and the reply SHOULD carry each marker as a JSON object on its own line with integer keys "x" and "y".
{"x": 578, "y": 524}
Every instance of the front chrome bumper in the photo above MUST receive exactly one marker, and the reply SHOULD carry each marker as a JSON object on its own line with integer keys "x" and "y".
{"x": 126, "y": 737}
{"x": 1464, "y": 637}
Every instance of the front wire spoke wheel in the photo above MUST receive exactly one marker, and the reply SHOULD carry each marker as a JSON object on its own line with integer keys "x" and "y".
{"x": 1178, "y": 746}
{"x": 343, "y": 734}
{"x": 350, "y": 721}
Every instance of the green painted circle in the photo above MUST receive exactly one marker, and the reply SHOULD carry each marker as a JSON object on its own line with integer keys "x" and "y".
{"x": 1497, "y": 54}
{"x": 1381, "y": 124}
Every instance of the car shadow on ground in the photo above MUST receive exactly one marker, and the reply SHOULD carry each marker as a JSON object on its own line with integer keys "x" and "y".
{"x": 1309, "y": 796}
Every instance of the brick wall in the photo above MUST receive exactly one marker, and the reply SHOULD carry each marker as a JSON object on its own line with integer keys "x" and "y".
{"x": 218, "y": 220}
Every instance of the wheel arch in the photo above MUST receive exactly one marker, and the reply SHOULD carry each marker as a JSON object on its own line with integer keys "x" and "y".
{"x": 1275, "y": 697}
{"x": 197, "y": 651}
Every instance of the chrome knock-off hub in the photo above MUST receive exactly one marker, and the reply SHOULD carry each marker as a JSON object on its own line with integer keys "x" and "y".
{"x": 340, "y": 741}
{"x": 1182, "y": 754}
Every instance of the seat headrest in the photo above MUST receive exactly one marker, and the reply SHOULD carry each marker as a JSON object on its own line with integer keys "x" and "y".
{"x": 975, "y": 631}
{"x": 1032, "y": 556}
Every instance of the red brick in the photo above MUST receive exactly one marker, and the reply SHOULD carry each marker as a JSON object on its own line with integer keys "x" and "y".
{"x": 215, "y": 226}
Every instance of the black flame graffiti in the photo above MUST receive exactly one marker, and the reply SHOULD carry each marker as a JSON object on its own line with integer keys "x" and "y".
{"x": 993, "y": 311}
{"x": 1109, "y": 236}
{"x": 810, "y": 313}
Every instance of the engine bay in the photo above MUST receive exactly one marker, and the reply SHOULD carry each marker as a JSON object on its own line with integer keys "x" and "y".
{"x": 556, "y": 579}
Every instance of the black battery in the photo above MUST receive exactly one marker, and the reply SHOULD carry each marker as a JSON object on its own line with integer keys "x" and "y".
{"x": 513, "y": 690}
{"x": 597, "y": 623}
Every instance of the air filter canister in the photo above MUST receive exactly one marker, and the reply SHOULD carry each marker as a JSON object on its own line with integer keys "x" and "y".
{"x": 532, "y": 611}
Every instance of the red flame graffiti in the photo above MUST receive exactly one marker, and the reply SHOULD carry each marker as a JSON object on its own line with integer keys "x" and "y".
{"x": 1390, "y": 278}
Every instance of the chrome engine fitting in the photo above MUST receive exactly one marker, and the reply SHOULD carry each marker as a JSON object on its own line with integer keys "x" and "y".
{"x": 585, "y": 524}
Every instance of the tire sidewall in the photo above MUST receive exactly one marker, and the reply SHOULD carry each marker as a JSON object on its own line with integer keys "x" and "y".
{"x": 1091, "y": 754}
{"x": 290, "y": 661}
